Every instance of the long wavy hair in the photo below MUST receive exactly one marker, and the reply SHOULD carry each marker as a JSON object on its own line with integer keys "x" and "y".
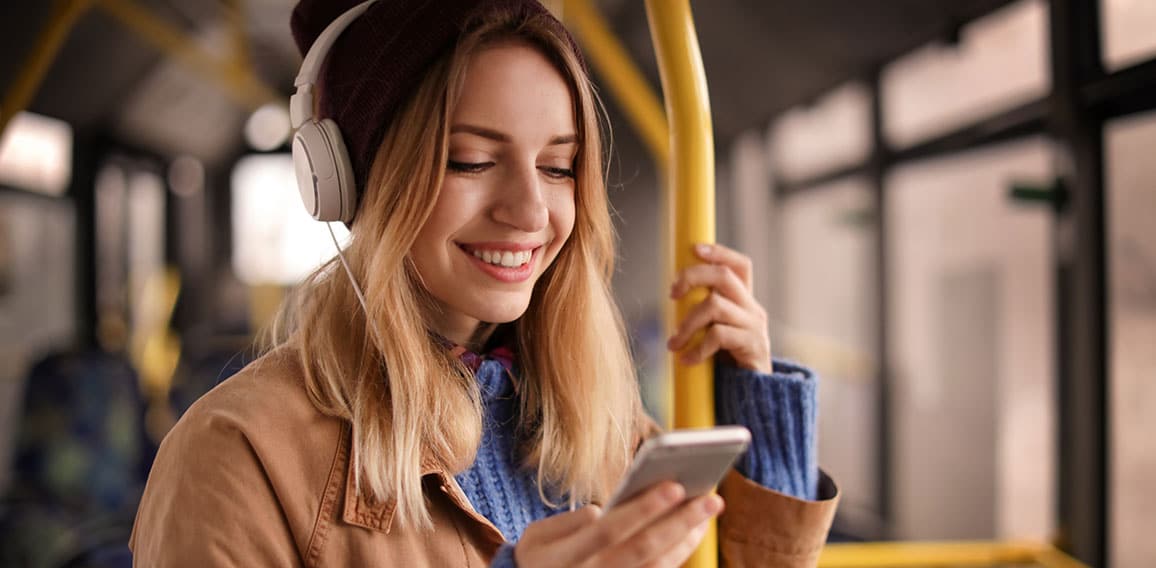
{"x": 409, "y": 402}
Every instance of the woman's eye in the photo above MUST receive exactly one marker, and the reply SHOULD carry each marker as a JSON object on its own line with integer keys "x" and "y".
{"x": 467, "y": 167}
{"x": 558, "y": 173}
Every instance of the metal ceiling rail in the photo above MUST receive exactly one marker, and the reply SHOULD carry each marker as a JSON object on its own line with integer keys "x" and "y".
{"x": 233, "y": 76}
{"x": 609, "y": 57}
{"x": 238, "y": 34}
{"x": 61, "y": 21}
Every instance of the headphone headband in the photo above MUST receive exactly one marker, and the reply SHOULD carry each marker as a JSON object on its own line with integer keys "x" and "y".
{"x": 301, "y": 103}
{"x": 321, "y": 163}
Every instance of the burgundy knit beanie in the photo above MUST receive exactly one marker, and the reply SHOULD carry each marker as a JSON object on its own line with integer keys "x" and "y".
{"x": 379, "y": 60}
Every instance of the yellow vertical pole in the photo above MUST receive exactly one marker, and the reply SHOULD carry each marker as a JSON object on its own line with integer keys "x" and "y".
{"x": 691, "y": 180}
{"x": 65, "y": 14}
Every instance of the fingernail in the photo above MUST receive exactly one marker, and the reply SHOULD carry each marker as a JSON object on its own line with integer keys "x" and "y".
{"x": 713, "y": 505}
{"x": 672, "y": 493}
{"x": 703, "y": 249}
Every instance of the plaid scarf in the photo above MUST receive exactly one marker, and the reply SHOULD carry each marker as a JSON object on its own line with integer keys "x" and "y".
{"x": 500, "y": 348}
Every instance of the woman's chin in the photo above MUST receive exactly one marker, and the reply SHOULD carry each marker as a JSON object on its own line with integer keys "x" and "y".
{"x": 500, "y": 312}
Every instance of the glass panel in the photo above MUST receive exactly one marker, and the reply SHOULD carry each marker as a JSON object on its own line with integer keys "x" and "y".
{"x": 1127, "y": 27}
{"x": 1132, "y": 317}
{"x": 834, "y": 132}
{"x": 826, "y": 319}
{"x": 1000, "y": 61}
{"x": 971, "y": 347}
{"x": 275, "y": 240}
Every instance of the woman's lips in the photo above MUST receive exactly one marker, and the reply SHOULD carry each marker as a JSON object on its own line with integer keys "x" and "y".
{"x": 505, "y": 274}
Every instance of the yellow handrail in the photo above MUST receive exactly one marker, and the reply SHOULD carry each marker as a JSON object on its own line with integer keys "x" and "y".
{"x": 610, "y": 59}
{"x": 235, "y": 75}
{"x": 65, "y": 14}
{"x": 932, "y": 554}
{"x": 690, "y": 174}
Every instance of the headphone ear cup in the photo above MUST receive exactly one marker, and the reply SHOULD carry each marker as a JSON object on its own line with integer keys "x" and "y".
{"x": 324, "y": 174}
{"x": 346, "y": 185}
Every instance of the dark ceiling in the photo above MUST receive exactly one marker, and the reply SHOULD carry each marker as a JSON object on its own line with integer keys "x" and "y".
{"x": 764, "y": 56}
{"x": 761, "y": 57}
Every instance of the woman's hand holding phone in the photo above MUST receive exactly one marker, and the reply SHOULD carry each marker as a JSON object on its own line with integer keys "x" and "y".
{"x": 656, "y": 528}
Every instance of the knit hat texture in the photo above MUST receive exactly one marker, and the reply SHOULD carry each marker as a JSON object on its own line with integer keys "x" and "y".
{"x": 381, "y": 58}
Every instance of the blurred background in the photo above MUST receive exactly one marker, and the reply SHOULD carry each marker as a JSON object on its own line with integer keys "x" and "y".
{"x": 951, "y": 206}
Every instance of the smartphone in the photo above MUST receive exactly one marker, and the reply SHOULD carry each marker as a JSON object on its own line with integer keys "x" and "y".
{"x": 696, "y": 458}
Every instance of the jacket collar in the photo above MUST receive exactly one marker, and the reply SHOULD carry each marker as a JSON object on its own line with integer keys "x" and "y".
{"x": 360, "y": 509}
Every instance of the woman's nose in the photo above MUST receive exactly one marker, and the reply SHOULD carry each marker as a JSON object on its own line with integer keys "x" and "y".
{"x": 521, "y": 203}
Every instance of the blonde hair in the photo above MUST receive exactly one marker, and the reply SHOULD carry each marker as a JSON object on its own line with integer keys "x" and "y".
{"x": 405, "y": 396}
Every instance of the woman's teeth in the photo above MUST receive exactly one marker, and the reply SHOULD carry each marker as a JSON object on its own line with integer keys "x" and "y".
{"x": 509, "y": 259}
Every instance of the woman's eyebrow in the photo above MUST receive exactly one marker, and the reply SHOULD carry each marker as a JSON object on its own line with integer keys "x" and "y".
{"x": 479, "y": 131}
{"x": 502, "y": 137}
{"x": 567, "y": 139}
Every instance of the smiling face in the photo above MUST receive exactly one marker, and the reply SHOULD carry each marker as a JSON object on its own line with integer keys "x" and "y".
{"x": 506, "y": 206}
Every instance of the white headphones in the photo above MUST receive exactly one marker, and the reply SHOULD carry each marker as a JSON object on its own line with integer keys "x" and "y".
{"x": 324, "y": 172}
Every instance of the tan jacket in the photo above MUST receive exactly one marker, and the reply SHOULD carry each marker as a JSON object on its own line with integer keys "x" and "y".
{"x": 253, "y": 475}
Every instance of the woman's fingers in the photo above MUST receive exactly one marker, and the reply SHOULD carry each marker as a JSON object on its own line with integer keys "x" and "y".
{"x": 563, "y": 524}
{"x": 656, "y": 528}
{"x": 717, "y": 277}
{"x": 718, "y": 337}
{"x": 654, "y": 541}
{"x": 734, "y": 321}
{"x": 716, "y": 309}
{"x": 678, "y": 555}
{"x": 733, "y": 259}
{"x": 541, "y": 542}
{"x": 622, "y": 522}
{"x": 748, "y": 349}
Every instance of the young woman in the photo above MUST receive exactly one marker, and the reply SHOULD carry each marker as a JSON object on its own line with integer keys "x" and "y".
{"x": 479, "y": 401}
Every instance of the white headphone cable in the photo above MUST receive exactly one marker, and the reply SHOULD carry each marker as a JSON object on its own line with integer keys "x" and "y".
{"x": 353, "y": 281}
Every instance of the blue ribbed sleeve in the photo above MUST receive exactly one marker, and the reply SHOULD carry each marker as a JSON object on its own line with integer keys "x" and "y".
{"x": 780, "y": 411}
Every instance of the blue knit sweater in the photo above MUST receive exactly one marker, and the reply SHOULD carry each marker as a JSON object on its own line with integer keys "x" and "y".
{"x": 779, "y": 410}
